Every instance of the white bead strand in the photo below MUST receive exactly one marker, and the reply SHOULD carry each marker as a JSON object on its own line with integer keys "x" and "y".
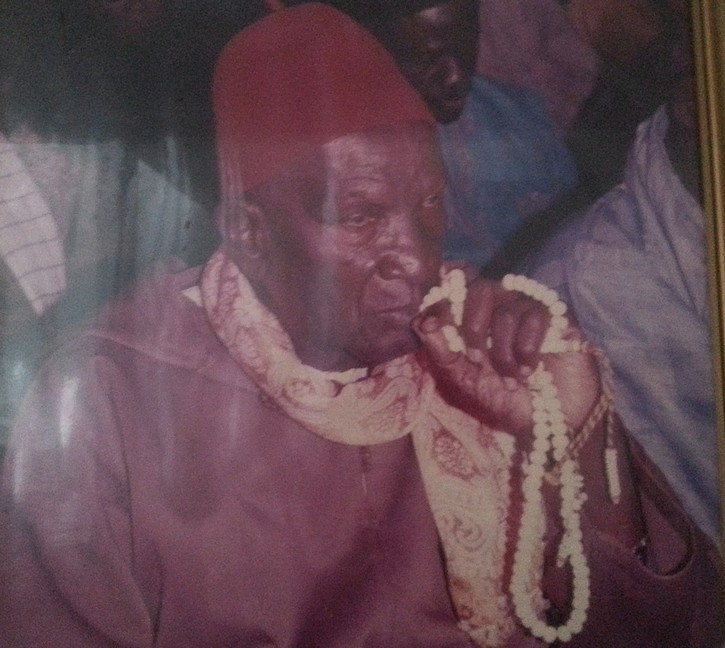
{"x": 550, "y": 436}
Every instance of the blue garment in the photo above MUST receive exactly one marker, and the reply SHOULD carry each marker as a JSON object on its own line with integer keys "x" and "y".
{"x": 633, "y": 268}
{"x": 505, "y": 163}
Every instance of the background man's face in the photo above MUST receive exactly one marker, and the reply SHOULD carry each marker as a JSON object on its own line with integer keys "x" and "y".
{"x": 355, "y": 244}
{"x": 436, "y": 50}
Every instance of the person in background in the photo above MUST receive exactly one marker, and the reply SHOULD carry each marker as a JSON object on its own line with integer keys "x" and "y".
{"x": 534, "y": 44}
{"x": 325, "y": 437}
{"x": 633, "y": 40}
{"x": 621, "y": 72}
{"x": 634, "y": 269}
{"x": 106, "y": 160}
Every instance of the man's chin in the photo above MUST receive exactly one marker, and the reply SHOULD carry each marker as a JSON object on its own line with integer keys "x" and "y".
{"x": 448, "y": 110}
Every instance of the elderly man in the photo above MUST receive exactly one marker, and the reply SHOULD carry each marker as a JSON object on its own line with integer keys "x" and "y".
{"x": 263, "y": 453}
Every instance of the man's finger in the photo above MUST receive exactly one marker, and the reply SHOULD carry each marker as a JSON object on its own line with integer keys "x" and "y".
{"x": 432, "y": 331}
{"x": 533, "y": 324}
{"x": 517, "y": 330}
{"x": 477, "y": 314}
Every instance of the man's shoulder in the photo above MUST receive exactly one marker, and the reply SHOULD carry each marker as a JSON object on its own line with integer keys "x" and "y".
{"x": 161, "y": 318}
{"x": 589, "y": 241}
{"x": 158, "y": 329}
{"x": 501, "y": 93}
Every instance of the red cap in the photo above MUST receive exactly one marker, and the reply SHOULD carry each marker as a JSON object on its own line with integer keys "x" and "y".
{"x": 297, "y": 79}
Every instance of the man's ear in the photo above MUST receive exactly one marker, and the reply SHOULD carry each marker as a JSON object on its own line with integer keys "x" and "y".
{"x": 246, "y": 235}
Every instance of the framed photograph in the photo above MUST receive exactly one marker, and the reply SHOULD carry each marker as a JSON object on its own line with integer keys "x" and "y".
{"x": 362, "y": 323}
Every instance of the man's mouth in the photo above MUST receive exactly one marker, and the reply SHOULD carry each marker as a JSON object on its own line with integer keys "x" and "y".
{"x": 394, "y": 297}
{"x": 399, "y": 316}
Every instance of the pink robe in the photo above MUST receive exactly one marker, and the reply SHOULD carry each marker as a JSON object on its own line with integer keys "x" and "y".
{"x": 153, "y": 497}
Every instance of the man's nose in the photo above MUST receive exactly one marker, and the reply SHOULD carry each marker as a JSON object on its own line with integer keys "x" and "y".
{"x": 450, "y": 73}
{"x": 403, "y": 250}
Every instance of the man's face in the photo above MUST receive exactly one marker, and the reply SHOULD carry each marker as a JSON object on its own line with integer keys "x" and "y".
{"x": 354, "y": 245}
{"x": 436, "y": 50}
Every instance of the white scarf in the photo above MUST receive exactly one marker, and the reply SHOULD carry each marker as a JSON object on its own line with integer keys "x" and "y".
{"x": 466, "y": 466}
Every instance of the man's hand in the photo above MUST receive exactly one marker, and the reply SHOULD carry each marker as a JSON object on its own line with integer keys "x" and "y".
{"x": 503, "y": 332}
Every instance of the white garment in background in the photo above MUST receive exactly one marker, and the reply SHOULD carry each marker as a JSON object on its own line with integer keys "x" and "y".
{"x": 634, "y": 270}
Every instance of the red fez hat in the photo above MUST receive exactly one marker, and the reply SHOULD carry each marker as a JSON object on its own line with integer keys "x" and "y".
{"x": 297, "y": 79}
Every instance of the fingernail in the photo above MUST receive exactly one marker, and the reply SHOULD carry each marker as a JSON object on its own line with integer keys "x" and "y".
{"x": 429, "y": 324}
{"x": 475, "y": 355}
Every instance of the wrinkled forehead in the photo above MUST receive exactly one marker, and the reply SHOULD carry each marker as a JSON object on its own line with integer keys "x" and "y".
{"x": 396, "y": 151}
{"x": 393, "y": 158}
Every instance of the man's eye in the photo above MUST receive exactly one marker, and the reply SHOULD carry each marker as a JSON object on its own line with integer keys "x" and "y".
{"x": 434, "y": 200}
{"x": 355, "y": 220}
{"x": 432, "y": 214}
{"x": 360, "y": 217}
